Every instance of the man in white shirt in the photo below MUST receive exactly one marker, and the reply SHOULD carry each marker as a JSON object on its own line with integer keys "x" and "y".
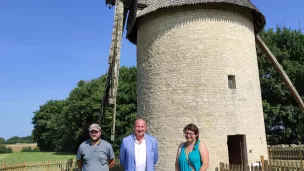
{"x": 139, "y": 151}
{"x": 140, "y": 155}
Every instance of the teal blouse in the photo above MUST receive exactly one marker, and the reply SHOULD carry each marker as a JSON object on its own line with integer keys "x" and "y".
{"x": 194, "y": 158}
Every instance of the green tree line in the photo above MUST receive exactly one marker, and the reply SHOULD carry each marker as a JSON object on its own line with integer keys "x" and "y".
{"x": 61, "y": 125}
{"x": 16, "y": 139}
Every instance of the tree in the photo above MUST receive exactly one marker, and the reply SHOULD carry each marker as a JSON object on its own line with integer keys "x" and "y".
{"x": 48, "y": 124}
{"x": 62, "y": 125}
{"x": 13, "y": 140}
{"x": 16, "y": 139}
{"x": 4, "y": 149}
{"x": 2, "y": 140}
{"x": 283, "y": 119}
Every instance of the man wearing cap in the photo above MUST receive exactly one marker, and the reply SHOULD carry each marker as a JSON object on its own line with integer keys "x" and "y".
{"x": 139, "y": 151}
{"x": 95, "y": 154}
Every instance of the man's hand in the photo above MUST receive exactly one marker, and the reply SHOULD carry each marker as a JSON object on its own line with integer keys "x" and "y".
{"x": 79, "y": 164}
{"x": 111, "y": 163}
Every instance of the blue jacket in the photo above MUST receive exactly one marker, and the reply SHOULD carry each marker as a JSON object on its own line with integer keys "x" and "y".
{"x": 127, "y": 157}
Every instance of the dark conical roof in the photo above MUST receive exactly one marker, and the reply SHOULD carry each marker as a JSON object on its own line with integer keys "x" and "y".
{"x": 154, "y": 5}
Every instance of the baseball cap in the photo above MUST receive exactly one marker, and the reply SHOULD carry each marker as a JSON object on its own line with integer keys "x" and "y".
{"x": 95, "y": 127}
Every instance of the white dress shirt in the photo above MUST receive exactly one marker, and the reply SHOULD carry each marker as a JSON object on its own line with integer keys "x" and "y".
{"x": 140, "y": 155}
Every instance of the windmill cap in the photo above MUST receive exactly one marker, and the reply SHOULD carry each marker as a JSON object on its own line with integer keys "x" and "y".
{"x": 152, "y": 6}
{"x": 95, "y": 127}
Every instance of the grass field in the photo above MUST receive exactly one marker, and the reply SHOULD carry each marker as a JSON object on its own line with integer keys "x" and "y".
{"x": 21, "y": 157}
{"x": 18, "y": 147}
{"x": 34, "y": 157}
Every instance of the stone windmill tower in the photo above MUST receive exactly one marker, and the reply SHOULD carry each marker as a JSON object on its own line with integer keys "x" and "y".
{"x": 197, "y": 63}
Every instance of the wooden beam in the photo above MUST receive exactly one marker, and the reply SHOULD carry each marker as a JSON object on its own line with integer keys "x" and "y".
{"x": 281, "y": 71}
{"x": 115, "y": 54}
{"x": 110, "y": 92}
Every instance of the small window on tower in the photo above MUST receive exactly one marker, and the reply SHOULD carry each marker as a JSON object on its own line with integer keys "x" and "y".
{"x": 231, "y": 82}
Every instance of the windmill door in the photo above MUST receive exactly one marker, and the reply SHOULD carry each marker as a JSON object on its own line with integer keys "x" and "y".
{"x": 237, "y": 149}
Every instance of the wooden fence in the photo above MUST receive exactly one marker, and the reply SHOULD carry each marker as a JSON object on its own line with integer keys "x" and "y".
{"x": 68, "y": 165}
{"x": 265, "y": 165}
{"x": 286, "y": 153}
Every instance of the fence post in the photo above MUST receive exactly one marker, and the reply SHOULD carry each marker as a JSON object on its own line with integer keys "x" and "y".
{"x": 25, "y": 166}
{"x": 263, "y": 163}
{"x": 266, "y": 165}
{"x": 302, "y": 166}
{"x": 71, "y": 164}
{"x": 221, "y": 167}
{"x": 48, "y": 165}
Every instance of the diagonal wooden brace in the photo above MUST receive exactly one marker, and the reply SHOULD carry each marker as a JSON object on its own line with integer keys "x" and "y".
{"x": 281, "y": 71}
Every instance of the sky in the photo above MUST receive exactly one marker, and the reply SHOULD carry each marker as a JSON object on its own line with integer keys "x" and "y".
{"x": 47, "y": 46}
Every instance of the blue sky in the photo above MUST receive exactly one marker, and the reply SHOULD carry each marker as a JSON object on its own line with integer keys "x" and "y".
{"x": 47, "y": 46}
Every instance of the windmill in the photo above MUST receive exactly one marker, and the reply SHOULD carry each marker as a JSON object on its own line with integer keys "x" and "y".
{"x": 169, "y": 19}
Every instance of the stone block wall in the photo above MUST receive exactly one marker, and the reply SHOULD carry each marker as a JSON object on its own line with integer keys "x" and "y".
{"x": 184, "y": 57}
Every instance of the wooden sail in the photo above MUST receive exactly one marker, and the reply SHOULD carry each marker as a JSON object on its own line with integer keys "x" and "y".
{"x": 281, "y": 71}
{"x": 110, "y": 93}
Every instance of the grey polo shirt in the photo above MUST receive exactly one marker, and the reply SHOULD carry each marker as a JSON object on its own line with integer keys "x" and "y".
{"x": 95, "y": 158}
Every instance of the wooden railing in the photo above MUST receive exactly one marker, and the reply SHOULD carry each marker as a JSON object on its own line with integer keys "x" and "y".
{"x": 265, "y": 165}
{"x": 233, "y": 167}
{"x": 286, "y": 153}
{"x": 284, "y": 165}
{"x": 67, "y": 165}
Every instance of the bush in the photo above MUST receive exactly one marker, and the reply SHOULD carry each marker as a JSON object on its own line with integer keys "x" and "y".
{"x": 9, "y": 150}
{"x": 4, "y": 149}
{"x": 26, "y": 149}
{"x": 29, "y": 149}
{"x": 36, "y": 149}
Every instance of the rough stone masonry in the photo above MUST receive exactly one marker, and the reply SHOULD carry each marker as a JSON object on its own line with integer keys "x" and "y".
{"x": 197, "y": 63}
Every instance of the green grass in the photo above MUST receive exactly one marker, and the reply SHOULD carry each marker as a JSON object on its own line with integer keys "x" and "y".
{"x": 21, "y": 157}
